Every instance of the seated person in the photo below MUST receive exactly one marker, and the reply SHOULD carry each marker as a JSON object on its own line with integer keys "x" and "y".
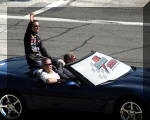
{"x": 47, "y": 74}
{"x": 69, "y": 57}
{"x": 50, "y": 74}
{"x": 35, "y": 52}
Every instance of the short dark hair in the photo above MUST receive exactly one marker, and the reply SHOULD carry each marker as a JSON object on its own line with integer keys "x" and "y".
{"x": 45, "y": 59}
{"x": 68, "y": 56}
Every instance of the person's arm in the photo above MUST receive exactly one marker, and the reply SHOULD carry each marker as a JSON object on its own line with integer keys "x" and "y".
{"x": 43, "y": 51}
{"x": 45, "y": 78}
{"x": 54, "y": 80}
{"x": 27, "y": 38}
{"x": 29, "y": 27}
{"x": 28, "y": 34}
{"x": 31, "y": 17}
{"x": 51, "y": 80}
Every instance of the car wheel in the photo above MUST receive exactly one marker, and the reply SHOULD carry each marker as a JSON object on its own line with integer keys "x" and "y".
{"x": 130, "y": 110}
{"x": 11, "y": 106}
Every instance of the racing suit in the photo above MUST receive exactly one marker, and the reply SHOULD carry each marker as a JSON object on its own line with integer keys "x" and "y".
{"x": 34, "y": 49}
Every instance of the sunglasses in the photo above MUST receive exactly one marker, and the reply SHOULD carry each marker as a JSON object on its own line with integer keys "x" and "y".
{"x": 36, "y": 26}
{"x": 48, "y": 64}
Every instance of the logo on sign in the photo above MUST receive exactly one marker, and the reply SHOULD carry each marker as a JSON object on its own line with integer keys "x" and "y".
{"x": 104, "y": 63}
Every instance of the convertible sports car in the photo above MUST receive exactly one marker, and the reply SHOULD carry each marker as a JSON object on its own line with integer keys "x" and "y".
{"x": 101, "y": 84}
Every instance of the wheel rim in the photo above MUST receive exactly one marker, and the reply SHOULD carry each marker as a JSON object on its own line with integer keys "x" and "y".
{"x": 131, "y": 111}
{"x": 10, "y": 107}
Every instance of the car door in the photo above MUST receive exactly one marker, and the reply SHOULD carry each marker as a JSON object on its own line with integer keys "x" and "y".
{"x": 84, "y": 98}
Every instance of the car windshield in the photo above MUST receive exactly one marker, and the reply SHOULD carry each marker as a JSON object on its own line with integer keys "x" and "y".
{"x": 99, "y": 68}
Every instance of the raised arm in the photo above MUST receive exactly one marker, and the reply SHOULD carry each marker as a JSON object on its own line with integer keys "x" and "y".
{"x": 31, "y": 17}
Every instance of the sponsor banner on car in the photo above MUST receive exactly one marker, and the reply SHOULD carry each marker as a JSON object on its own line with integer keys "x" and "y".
{"x": 99, "y": 68}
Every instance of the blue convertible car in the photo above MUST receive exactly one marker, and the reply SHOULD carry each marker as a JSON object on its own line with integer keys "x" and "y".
{"x": 101, "y": 84}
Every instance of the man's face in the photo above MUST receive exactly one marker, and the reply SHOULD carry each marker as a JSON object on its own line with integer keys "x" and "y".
{"x": 48, "y": 65}
{"x": 36, "y": 27}
{"x": 73, "y": 58}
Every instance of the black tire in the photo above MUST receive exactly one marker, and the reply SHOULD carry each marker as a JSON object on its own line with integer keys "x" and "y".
{"x": 11, "y": 106}
{"x": 130, "y": 109}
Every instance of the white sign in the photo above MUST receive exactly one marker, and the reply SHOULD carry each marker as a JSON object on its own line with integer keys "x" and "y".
{"x": 99, "y": 68}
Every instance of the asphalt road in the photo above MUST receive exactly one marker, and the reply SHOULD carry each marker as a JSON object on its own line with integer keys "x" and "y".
{"x": 121, "y": 41}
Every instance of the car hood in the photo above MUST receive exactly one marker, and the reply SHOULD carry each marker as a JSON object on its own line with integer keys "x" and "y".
{"x": 137, "y": 75}
{"x": 146, "y": 73}
{"x": 13, "y": 64}
{"x": 141, "y": 72}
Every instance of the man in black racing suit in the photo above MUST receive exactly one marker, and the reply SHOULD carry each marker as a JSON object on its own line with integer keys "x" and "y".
{"x": 34, "y": 49}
